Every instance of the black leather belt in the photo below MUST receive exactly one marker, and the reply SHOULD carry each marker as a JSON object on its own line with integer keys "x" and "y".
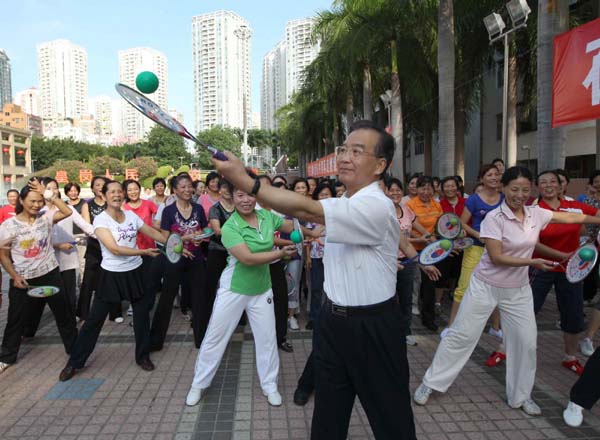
{"x": 360, "y": 311}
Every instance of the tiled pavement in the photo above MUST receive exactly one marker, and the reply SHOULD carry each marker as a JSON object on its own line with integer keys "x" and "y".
{"x": 114, "y": 399}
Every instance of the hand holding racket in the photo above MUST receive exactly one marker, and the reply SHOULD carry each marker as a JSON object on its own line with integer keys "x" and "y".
{"x": 432, "y": 253}
{"x": 151, "y": 110}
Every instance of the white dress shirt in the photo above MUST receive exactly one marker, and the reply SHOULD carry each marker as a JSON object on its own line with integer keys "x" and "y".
{"x": 361, "y": 247}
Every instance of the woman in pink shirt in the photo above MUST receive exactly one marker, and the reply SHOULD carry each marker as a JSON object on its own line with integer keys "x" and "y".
{"x": 211, "y": 196}
{"x": 510, "y": 233}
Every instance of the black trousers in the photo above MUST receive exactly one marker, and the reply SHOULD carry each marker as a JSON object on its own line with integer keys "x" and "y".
{"x": 364, "y": 356}
{"x": 280, "y": 299}
{"x": 89, "y": 284}
{"x": 215, "y": 264}
{"x": 89, "y": 333}
{"x": 34, "y": 316}
{"x": 586, "y": 390}
{"x": 21, "y": 305}
{"x": 590, "y": 283}
{"x": 194, "y": 272}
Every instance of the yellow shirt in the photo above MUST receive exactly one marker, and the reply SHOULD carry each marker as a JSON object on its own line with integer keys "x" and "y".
{"x": 426, "y": 213}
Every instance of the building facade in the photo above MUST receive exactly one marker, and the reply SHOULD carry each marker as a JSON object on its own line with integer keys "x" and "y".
{"x": 131, "y": 62}
{"x": 273, "y": 86}
{"x": 16, "y": 156}
{"x": 300, "y": 52}
{"x": 29, "y": 100}
{"x": 15, "y": 116}
{"x": 63, "y": 79}
{"x": 221, "y": 43}
{"x": 5, "y": 80}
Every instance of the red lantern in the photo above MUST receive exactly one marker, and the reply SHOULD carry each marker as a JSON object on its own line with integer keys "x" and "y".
{"x": 20, "y": 152}
{"x": 6, "y": 150}
{"x": 7, "y": 178}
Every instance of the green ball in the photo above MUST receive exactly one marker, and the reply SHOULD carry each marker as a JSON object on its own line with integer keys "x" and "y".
{"x": 178, "y": 248}
{"x": 295, "y": 236}
{"x": 47, "y": 291}
{"x": 146, "y": 82}
{"x": 453, "y": 221}
{"x": 445, "y": 244}
{"x": 587, "y": 254}
{"x": 208, "y": 230}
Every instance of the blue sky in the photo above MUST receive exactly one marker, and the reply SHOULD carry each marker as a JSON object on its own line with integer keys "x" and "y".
{"x": 107, "y": 26}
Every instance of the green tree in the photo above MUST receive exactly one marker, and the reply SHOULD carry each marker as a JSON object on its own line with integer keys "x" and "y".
{"x": 100, "y": 164}
{"x": 146, "y": 166}
{"x": 165, "y": 147}
{"x": 223, "y": 138}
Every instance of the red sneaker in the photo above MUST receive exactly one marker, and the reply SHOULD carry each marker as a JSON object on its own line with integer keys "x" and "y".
{"x": 495, "y": 359}
{"x": 574, "y": 366}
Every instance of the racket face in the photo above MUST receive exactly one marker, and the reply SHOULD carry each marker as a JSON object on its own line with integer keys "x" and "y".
{"x": 151, "y": 110}
{"x": 42, "y": 291}
{"x": 577, "y": 269}
{"x": 448, "y": 226}
{"x": 204, "y": 235}
{"x": 463, "y": 243}
{"x": 173, "y": 248}
{"x": 433, "y": 253}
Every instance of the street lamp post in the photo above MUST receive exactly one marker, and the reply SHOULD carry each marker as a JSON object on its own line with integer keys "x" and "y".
{"x": 243, "y": 33}
{"x": 519, "y": 12}
{"x": 180, "y": 161}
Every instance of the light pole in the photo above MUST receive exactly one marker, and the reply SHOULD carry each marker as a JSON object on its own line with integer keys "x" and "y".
{"x": 180, "y": 161}
{"x": 243, "y": 34}
{"x": 519, "y": 11}
{"x": 528, "y": 149}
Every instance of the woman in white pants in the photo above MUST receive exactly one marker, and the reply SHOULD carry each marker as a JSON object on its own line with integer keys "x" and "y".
{"x": 510, "y": 233}
{"x": 245, "y": 285}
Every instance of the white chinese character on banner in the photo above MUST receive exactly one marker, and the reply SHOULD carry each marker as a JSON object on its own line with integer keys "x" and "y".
{"x": 593, "y": 78}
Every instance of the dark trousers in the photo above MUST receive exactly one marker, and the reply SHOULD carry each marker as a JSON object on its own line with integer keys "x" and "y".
{"x": 590, "y": 284}
{"x": 586, "y": 390}
{"x": 193, "y": 271}
{"x": 34, "y": 316}
{"x": 427, "y": 299}
{"x": 215, "y": 264}
{"x": 569, "y": 298}
{"x": 21, "y": 305}
{"x": 306, "y": 382}
{"x": 88, "y": 336}
{"x": 404, "y": 290}
{"x": 317, "y": 278}
{"x": 89, "y": 284}
{"x": 280, "y": 299}
{"x": 364, "y": 356}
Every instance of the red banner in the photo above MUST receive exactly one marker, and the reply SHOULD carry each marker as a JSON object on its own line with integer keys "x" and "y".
{"x": 325, "y": 166}
{"x": 576, "y": 84}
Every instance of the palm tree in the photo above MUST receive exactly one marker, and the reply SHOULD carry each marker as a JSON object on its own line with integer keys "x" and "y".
{"x": 446, "y": 66}
{"x": 553, "y": 18}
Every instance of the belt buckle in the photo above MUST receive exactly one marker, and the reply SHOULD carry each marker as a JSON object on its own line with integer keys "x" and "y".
{"x": 339, "y": 310}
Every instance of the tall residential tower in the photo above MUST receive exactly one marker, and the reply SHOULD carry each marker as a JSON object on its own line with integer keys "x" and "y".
{"x": 5, "y": 82}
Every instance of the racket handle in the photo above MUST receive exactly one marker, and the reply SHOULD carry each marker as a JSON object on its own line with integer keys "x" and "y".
{"x": 219, "y": 155}
{"x": 409, "y": 260}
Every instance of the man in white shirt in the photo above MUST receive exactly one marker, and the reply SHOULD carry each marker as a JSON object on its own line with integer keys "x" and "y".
{"x": 361, "y": 347}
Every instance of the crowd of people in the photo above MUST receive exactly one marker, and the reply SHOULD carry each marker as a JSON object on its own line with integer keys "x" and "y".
{"x": 355, "y": 274}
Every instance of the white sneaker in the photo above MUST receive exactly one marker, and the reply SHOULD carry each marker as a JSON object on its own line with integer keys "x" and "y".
{"x": 3, "y": 367}
{"x": 415, "y": 310}
{"x": 119, "y": 320}
{"x": 531, "y": 408}
{"x": 130, "y": 311}
{"x": 193, "y": 396}
{"x": 422, "y": 394}
{"x": 573, "y": 415}
{"x": 586, "y": 347}
{"x": 497, "y": 333}
{"x": 293, "y": 323}
{"x": 410, "y": 340}
{"x": 557, "y": 325}
{"x": 274, "y": 398}
{"x": 444, "y": 332}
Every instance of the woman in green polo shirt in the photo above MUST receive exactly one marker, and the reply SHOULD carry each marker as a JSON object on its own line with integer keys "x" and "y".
{"x": 245, "y": 285}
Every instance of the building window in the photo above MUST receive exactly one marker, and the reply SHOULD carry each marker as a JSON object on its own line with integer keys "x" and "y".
{"x": 419, "y": 143}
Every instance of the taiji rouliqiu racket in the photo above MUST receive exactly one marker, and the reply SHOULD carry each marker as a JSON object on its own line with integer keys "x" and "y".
{"x": 42, "y": 291}
{"x": 581, "y": 263}
{"x": 173, "y": 248}
{"x": 151, "y": 110}
{"x": 433, "y": 253}
{"x": 463, "y": 243}
{"x": 448, "y": 226}
{"x": 207, "y": 232}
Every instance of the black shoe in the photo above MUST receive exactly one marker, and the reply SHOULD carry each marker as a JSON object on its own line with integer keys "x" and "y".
{"x": 301, "y": 397}
{"x": 309, "y": 325}
{"x": 286, "y": 346}
{"x": 67, "y": 373}
{"x": 146, "y": 364}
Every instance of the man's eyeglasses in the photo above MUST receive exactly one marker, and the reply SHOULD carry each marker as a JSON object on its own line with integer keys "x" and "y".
{"x": 354, "y": 152}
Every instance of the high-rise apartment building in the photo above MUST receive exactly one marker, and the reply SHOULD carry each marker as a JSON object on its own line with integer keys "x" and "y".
{"x": 300, "y": 52}
{"x": 63, "y": 80}
{"x": 131, "y": 63}
{"x": 103, "y": 116}
{"x": 273, "y": 92}
{"x": 5, "y": 81}
{"x": 29, "y": 100}
{"x": 221, "y": 59}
